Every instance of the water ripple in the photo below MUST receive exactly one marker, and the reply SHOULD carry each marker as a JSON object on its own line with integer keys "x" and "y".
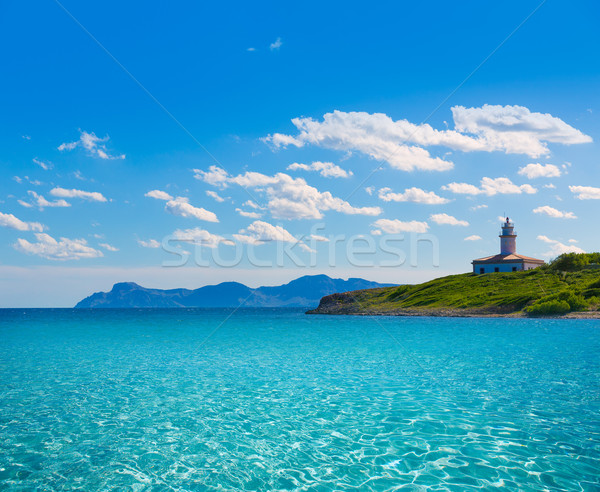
{"x": 277, "y": 400}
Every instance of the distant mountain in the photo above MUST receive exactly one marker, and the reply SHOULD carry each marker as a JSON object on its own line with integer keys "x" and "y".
{"x": 303, "y": 292}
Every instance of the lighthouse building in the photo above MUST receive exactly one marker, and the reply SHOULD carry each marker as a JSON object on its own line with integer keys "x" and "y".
{"x": 508, "y": 260}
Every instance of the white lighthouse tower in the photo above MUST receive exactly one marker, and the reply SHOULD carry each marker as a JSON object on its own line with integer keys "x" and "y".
{"x": 508, "y": 238}
{"x": 508, "y": 260}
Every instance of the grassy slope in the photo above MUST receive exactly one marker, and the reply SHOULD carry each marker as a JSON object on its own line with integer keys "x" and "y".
{"x": 493, "y": 293}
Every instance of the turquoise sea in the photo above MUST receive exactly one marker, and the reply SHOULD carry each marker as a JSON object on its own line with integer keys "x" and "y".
{"x": 261, "y": 399}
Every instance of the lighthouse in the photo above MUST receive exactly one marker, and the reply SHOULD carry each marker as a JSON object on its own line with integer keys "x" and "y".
{"x": 508, "y": 238}
{"x": 508, "y": 260}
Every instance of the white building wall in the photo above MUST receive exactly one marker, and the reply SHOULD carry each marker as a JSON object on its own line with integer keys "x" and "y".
{"x": 502, "y": 267}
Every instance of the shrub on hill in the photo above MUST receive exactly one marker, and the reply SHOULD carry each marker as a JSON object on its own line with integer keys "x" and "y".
{"x": 571, "y": 262}
{"x": 549, "y": 308}
{"x": 575, "y": 301}
{"x": 594, "y": 285}
{"x": 561, "y": 303}
{"x": 594, "y": 303}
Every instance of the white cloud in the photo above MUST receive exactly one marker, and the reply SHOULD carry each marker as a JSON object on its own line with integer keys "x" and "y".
{"x": 326, "y": 169}
{"x": 370, "y": 190}
{"x": 180, "y": 206}
{"x": 512, "y": 129}
{"x": 151, "y": 243}
{"x": 9, "y": 220}
{"x": 44, "y": 165}
{"x": 550, "y": 186}
{"x": 92, "y": 196}
{"x": 201, "y": 237}
{"x": 316, "y": 237}
{"x": 474, "y": 237}
{"x": 247, "y": 239}
{"x": 490, "y": 187}
{"x": 307, "y": 248}
{"x": 415, "y": 195}
{"x": 41, "y": 202}
{"x": 159, "y": 195}
{"x": 108, "y": 247}
{"x": 395, "y": 226}
{"x": 300, "y": 201}
{"x": 95, "y": 146}
{"x": 515, "y": 129}
{"x": 504, "y": 186}
{"x": 533, "y": 171}
{"x": 288, "y": 198}
{"x": 552, "y": 212}
{"x": 68, "y": 146}
{"x": 280, "y": 140}
{"x": 478, "y": 207}
{"x": 215, "y": 176}
{"x": 34, "y": 182}
{"x": 251, "y": 215}
{"x": 275, "y": 45}
{"x": 215, "y": 195}
{"x": 557, "y": 248}
{"x": 462, "y": 188}
{"x": 251, "y": 204}
{"x": 64, "y": 249}
{"x": 445, "y": 219}
{"x": 260, "y": 232}
{"x": 585, "y": 192}
{"x": 375, "y": 135}
{"x": 250, "y": 49}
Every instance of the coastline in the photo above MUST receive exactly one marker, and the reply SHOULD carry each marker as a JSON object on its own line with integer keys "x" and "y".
{"x": 349, "y": 304}
{"x": 456, "y": 314}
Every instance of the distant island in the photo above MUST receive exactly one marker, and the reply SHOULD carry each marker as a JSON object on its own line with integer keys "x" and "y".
{"x": 568, "y": 286}
{"x": 303, "y": 292}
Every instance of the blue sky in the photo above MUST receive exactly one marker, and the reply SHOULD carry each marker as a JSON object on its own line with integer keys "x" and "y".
{"x": 338, "y": 90}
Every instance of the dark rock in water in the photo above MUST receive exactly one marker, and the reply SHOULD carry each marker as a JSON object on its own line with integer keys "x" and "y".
{"x": 303, "y": 292}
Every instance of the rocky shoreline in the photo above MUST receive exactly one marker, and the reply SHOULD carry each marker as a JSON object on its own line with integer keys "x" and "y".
{"x": 347, "y": 304}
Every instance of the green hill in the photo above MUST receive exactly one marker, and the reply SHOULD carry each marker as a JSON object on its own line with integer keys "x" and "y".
{"x": 570, "y": 283}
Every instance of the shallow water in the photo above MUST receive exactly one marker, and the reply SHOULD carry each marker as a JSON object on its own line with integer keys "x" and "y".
{"x": 255, "y": 399}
